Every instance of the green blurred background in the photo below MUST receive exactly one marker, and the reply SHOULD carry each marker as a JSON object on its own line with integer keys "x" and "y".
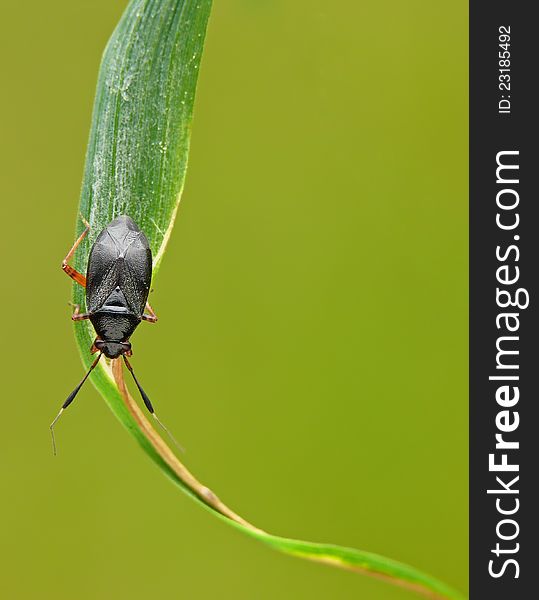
{"x": 311, "y": 352}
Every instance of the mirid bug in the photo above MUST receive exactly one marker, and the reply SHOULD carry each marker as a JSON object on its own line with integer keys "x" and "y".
{"x": 117, "y": 285}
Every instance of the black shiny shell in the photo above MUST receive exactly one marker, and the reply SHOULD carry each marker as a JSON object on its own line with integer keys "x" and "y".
{"x": 120, "y": 258}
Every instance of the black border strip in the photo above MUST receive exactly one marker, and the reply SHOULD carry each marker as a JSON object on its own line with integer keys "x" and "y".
{"x": 493, "y": 572}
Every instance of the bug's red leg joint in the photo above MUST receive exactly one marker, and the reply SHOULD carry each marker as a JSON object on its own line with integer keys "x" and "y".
{"x": 77, "y": 315}
{"x": 68, "y": 269}
{"x": 150, "y": 316}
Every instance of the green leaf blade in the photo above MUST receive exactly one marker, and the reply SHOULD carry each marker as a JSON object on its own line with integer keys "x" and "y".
{"x": 139, "y": 142}
{"x": 136, "y": 164}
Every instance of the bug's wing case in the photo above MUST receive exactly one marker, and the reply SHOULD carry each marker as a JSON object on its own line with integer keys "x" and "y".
{"x": 137, "y": 274}
{"x": 120, "y": 257}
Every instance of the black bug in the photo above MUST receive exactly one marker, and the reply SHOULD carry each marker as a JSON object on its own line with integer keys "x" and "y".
{"x": 117, "y": 284}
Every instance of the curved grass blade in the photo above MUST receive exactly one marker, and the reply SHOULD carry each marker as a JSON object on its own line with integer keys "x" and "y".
{"x": 136, "y": 164}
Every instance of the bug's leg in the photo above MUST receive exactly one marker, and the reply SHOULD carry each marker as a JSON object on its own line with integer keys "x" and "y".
{"x": 77, "y": 315}
{"x": 149, "y": 404}
{"x": 68, "y": 269}
{"x": 150, "y": 316}
{"x": 69, "y": 400}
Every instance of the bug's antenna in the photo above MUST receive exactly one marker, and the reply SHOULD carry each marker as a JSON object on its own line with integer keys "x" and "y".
{"x": 149, "y": 404}
{"x": 69, "y": 400}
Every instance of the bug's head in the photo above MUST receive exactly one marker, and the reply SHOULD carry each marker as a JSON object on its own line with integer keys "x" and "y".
{"x": 113, "y": 349}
